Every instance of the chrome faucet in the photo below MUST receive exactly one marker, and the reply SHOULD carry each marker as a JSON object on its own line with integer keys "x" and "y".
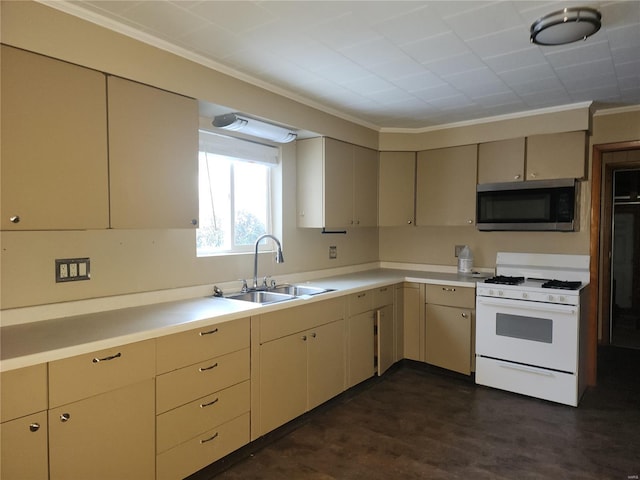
{"x": 279, "y": 257}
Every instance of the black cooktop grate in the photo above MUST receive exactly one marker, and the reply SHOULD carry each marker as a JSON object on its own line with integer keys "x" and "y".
{"x": 505, "y": 280}
{"x": 562, "y": 284}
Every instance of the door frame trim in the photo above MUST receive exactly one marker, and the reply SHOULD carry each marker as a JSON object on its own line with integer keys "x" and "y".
{"x": 594, "y": 250}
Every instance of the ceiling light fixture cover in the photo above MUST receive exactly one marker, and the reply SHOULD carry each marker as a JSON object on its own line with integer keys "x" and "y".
{"x": 238, "y": 123}
{"x": 566, "y": 26}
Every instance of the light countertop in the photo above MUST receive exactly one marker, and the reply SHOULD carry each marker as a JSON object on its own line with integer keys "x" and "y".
{"x": 48, "y": 340}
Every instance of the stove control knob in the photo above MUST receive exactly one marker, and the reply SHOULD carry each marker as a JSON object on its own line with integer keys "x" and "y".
{"x": 500, "y": 293}
{"x": 525, "y": 295}
{"x": 563, "y": 299}
{"x": 551, "y": 298}
{"x": 491, "y": 292}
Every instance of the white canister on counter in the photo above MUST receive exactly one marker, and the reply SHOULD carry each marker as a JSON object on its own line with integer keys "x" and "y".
{"x": 465, "y": 260}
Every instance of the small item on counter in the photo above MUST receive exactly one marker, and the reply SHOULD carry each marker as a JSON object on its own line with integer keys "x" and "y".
{"x": 465, "y": 260}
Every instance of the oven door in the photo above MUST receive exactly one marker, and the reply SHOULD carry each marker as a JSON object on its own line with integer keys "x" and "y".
{"x": 530, "y": 333}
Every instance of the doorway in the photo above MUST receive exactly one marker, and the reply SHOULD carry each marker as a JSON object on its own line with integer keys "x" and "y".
{"x": 619, "y": 230}
{"x": 624, "y": 326}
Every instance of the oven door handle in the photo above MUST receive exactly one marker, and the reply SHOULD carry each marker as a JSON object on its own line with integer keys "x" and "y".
{"x": 537, "y": 306}
{"x": 522, "y": 368}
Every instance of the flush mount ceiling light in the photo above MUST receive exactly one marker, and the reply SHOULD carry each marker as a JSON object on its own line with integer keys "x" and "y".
{"x": 566, "y": 26}
{"x": 239, "y": 123}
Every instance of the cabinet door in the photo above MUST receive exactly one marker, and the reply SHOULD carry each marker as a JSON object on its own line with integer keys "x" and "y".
{"x": 338, "y": 183}
{"x": 446, "y": 186}
{"x": 412, "y": 323}
{"x": 556, "y": 155}
{"x": 365, "y": 187}
{"x": 23, "y": 391}
{"x": 107, "y": 436}
{"x": 396, "y": 190}
{"x": 23, "y": 448}
{"x": 283, "y": 380}
{"x": 501, "y": 161}
{"x": 448, "y": 336}
{"x": 385, "y": 338}
{"x": 326, "y": 363}
{"x": 54, "y": 144}
{"x": 153, "y": 157}
{"x": 361, "y": 348}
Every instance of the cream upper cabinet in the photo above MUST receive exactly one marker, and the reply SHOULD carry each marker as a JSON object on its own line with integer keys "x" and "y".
{"x": 446, "y": 186}
{"x": 556, "y": 155}
{"x": 54, "y": 144}
{"x": 501, "y": 161}
{"x": 396, "y": 189}
{"x": 153, "y": 157}
{"x": 337, "y": 184}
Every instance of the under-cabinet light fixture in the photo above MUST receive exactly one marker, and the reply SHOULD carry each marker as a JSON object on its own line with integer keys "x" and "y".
{"x": 239, "y": 123}
{"x": 566, "y": 26}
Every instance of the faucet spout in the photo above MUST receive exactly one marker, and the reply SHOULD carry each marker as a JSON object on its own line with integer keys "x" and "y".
{"x": 279, "y": 256}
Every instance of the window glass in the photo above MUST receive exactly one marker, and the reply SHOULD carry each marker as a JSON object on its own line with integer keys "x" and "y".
{"x": 235, "y": 202}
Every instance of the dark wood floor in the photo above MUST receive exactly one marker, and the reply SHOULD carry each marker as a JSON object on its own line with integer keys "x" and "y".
{"x": 419, "y": 423}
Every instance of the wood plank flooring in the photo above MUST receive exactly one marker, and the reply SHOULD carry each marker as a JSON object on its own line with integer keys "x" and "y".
{"x": 421, "y": 423}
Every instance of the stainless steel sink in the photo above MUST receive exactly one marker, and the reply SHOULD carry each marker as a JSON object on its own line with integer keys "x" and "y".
{"x": 261, "y": 297}
{"x": 298, "y": 290}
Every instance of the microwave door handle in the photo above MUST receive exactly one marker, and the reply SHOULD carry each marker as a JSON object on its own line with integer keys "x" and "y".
{"x": 540, "y": 307}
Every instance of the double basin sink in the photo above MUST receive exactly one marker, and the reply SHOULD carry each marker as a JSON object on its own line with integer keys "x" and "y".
{"x": 280, "y": 293}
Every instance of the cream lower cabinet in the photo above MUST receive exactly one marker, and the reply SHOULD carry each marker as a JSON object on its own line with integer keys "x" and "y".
{"x": 413, "y": 321}
{"x": 371, "y": 337}
{"x": 298, "y": 362}
{"x": 106, "y": 436}
{"x": 23, "y": 427}
{"x": 202, "y": 397}
{"x": 102, "y": 415}
{"x": 449, "y": 316}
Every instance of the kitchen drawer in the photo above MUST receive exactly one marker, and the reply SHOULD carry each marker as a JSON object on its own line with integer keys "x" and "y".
{"x": 23, "y": 391}
{"x": 182, "y": 386}
{"x": 452, "y": 296}
{"x": 383, "y": 296}
{"x": 360, "y": 302}
{"x": 23, "y": 448}
{"x": 200, "y": 451}
{"x": 82, "y": 376}
{"x": 298, "y": 319}
{"x": 185, "y": 422}
{"x": 182, "y": 349}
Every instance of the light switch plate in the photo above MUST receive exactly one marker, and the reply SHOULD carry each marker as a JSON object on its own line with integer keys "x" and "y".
{"x": 72, "y": 269}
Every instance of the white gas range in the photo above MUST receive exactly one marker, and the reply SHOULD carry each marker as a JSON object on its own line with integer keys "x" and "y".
{"x": 531, "y": 326}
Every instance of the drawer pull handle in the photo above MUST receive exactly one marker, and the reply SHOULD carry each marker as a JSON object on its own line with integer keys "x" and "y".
{"x": 34, "y": 427}
{"x": 202, "y": 405}
{"x": 447, "y": 289}
{"x": 215, "y": 330}
{"x": 209, "y": 439}
{"x": 362, "y": 295}
{"x": 65, "y": 417}
{"x": 106, "y": 359}
{"x": 204, "y": 369}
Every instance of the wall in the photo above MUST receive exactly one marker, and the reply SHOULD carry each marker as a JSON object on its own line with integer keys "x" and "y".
{"x": 129, "y": 261}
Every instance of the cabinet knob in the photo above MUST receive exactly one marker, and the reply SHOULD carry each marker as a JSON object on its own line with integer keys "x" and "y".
{"x": 313, "y": 335}
{"x": 65, "y": 417}
{"x": 34, "y": 427}
{"x": 469, "y": 221}
{"x": 194, "y": 221}
{"x": 14, "y": 219}
{"x": 517, "y": 177}
{"x": 534, "y": 174}
{"x": 409, "y": 222}
{"x": 464, "y": 315}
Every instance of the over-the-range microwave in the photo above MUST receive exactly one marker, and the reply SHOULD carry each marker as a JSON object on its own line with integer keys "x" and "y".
{"x": 538, "y": 205}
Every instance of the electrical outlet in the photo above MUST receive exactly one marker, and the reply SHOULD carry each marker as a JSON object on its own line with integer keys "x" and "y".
{"x": 333, "y": 252}
{"x": 72, "y": 269}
